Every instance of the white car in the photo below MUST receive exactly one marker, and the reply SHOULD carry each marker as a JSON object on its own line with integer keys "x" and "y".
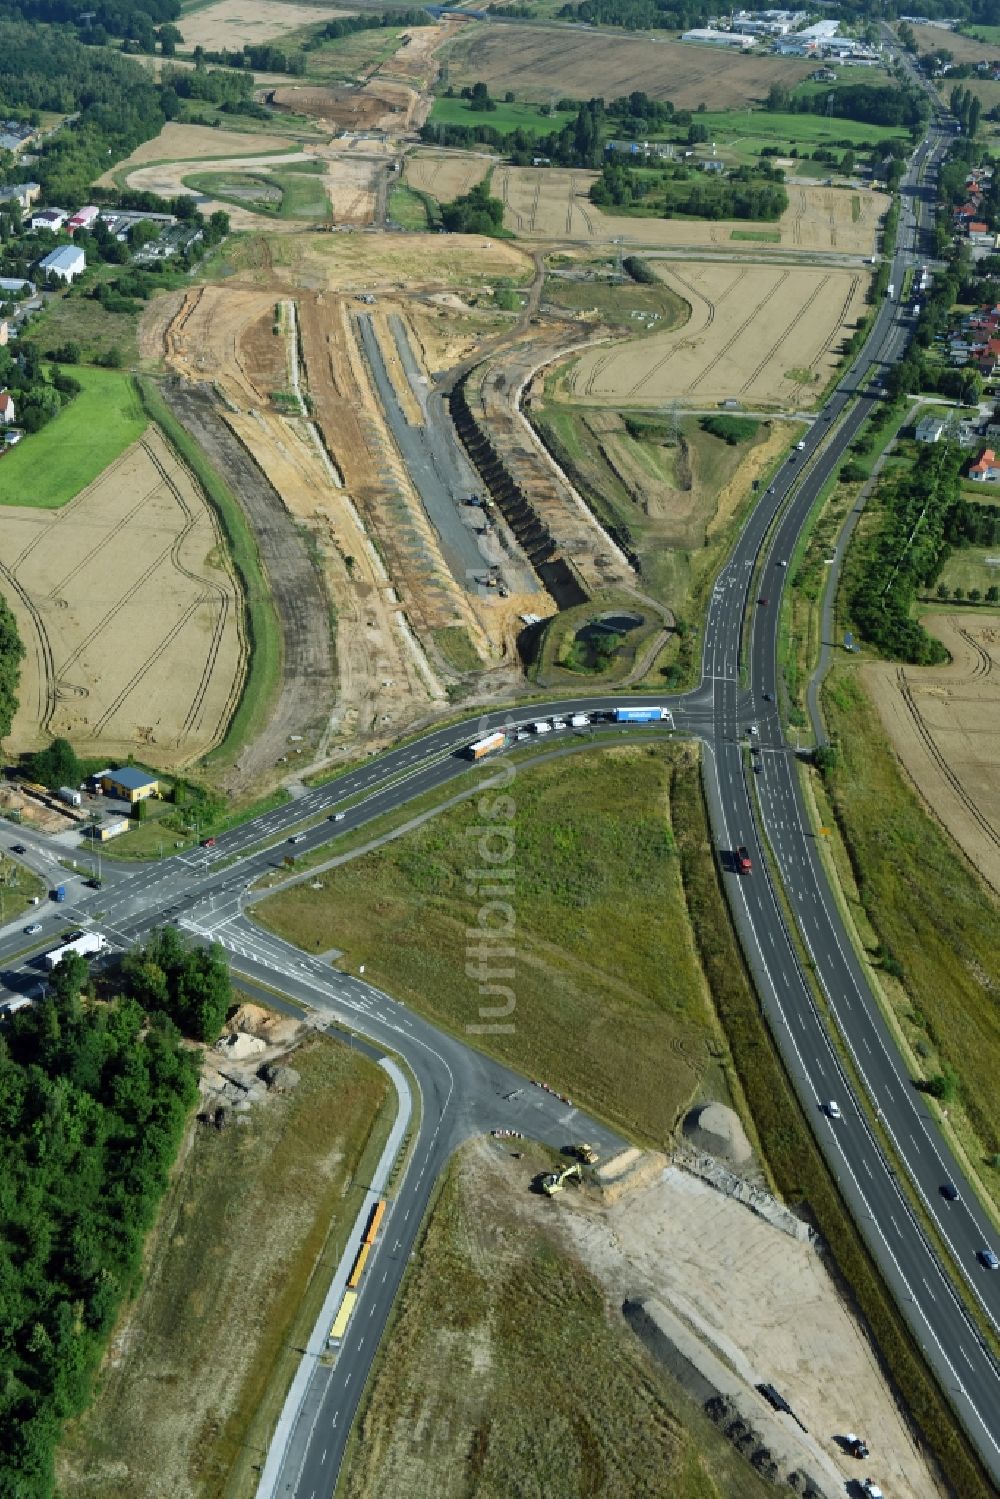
{"x": 800, "y": 446}
{"x": 33, "y": 929}
{"x": 832, "y": 1110}
{"x": 559, "y": 723}
{"x": 338, "y": 816}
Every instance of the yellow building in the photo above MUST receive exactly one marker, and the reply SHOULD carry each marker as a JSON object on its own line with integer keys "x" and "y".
{"x": 130, "y": 784}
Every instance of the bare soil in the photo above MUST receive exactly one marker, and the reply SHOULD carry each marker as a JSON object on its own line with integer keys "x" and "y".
{"x": 764, "y": 334}
{"x": 308, "y": 677}
{"x": 130, "y": 613}
{"x": 540, "y": 63}
{"x": 944, "y": 722}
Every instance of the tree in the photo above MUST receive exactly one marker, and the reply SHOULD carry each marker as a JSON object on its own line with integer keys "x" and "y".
{"x": 56, "y": 766}
{"x": 993, "y": 594}
{"x": 825, "y": 757}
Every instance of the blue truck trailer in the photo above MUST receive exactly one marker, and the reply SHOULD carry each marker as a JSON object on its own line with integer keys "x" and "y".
{"x": 640, "y": 715}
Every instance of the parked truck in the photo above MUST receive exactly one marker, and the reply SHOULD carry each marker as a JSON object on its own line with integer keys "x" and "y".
{"x": 87, "y": 945}
{"x": 68, "y": 795}
{"x": 59, "y": 893}
{"x": 641, "y": 715}
{"x": 486, "y": 746}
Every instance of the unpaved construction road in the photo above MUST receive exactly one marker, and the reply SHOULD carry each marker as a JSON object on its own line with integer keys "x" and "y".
{"x": 308, "y": 678}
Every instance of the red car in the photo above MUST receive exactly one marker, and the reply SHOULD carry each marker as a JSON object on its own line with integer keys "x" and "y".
{"x": 208, "y": 843}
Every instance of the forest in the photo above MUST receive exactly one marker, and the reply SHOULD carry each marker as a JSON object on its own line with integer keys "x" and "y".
{"x": 475, "y": 212}
{"x": 637, "y": 15}
{"x": 95, "y": 1091}
{"x": 116, "y": 102}
{"x": 869, "y": 103}
{"x": 11, "y": 655}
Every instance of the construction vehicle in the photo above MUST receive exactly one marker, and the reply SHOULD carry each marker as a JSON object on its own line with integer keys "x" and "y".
{"x": 585, "y": 1153}
{"x": 856, "y": 1446}
{"x": 553, "y": 1181}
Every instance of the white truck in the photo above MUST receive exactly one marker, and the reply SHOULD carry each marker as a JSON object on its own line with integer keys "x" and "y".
{"x": 87, "y": 945}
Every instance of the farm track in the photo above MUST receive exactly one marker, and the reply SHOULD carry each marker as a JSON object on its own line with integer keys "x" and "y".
{"x": 930, "y": 745}
{"x": 691, "y": 341}
{"x": 984, "y": 660}
{"x": 110, "y": 539}
{"x": 717, "y": 359}
{"x": 222, "y": 599}
{"x": 789, "y": 328}
{"x": 838, "y": 328}
{"x": 46, "y": 669}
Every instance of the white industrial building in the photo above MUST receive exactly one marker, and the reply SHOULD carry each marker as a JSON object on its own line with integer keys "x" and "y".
{"x": 709, "y": 38}
{"x": 67, "y": 263}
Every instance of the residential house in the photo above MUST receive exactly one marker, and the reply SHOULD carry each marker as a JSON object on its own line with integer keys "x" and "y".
{"x": 986, "y": 469}
{"x": 82, "y": 219}
{"x": 48, "y": 218}
{"x": 22, "y": 193}
{"x": 931, "y": 429}
{"x": 7, "y": 413}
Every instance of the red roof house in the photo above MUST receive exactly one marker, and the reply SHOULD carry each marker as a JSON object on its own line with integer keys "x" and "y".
{"x": 985, "y": 469}
{"x": 6, "y": 407}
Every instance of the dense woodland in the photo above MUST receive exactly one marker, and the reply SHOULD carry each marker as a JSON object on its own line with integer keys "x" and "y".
{"x": 11, "y": 655}
{"x": 872, "y": 104}
{"x": 93, "y": 1102}
{"x": 638, "y": 15}
{"x": 677, "y": 188}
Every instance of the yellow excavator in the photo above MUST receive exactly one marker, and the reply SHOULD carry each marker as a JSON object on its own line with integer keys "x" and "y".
{"x": 585, "y": 1153}
{"x": 553, "y": 1181}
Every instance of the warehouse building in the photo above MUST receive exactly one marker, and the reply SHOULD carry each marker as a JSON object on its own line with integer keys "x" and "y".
{"x": 67, "y": 263}
{"x": 129, "y": 784}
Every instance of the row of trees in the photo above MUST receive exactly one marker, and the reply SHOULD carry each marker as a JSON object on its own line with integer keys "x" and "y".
{"x": 94, "y": 1096}
{"x": 902, "y": 556}
{"x": 870, "y": 103}
{"x": 967, "y": 109}
{"x": 637, "y": 15}
{"x": 577, "y": 143}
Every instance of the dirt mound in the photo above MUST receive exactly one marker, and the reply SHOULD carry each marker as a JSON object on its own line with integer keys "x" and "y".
{"x": 628, "y": 1171}
{"x": 381, "y": 106}
{"x": 718, "y": 1131}
{"x": 254, "y": 1020}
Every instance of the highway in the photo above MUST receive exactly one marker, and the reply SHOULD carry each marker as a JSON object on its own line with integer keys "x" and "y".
{"x": 754, "y": 800}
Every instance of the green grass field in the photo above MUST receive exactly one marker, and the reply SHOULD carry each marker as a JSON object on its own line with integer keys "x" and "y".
{"x": 407, "y": 208}
{"x": 303, "y": 195}
{"x": 968, "y": 567}
{"x": 506, "y": 117}
{"x": 758, "y": 236}
{"x": 746, "y": 132}
{"x": 925, "y": 905}
{"x": 346, "y": 57}
{"x": 989, "y": 34}
{"x": 48, "y": 468}
{"x": 610, "y": 1003}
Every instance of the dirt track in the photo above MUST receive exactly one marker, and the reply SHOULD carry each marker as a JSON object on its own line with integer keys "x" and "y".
{"x": 308, "y": 680}
{"x": 944, "y": 723}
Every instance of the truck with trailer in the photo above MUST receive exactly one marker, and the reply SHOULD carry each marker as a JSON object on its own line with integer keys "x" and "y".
{"x": 343, "y": 1316}
{"x": 87, "y": 945}
{"x": 486, "y": 746}
{"x": 743, "y": 861}
{"x": 641, "y": 715}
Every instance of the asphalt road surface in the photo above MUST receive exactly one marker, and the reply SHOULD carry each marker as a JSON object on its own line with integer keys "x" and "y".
{"x": 754, "y": 801}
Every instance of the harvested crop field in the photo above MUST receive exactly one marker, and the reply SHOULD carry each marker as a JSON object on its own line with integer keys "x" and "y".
{"x": 129, "y": 611}
{"x": 444, "y": 176}
{"x": 962, "y": 48}
{"x": 765, "y": 334}
{"x": 191, "y": 143}
{"x": 544, "y": 204}
{"x": 944, "y": 722}
{"x": 234, "y": 23}
{"x": 538, "y": 63}
{"x": 368, "y": 262}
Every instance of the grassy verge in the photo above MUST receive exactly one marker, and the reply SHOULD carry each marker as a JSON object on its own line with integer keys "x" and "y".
{"x": 502, "y": 1342}
{"x": 237, "y": 1269}
{"x": 49, "y": 467}
{"x": 609, "y": 1004}
{"x": 409, "y": 209}
{"x": 17, "y": 887}
{"x": 533, "y": 118}
{"x": 265, "y": 648}
{"x": 759, "y": 236}
{"x": 456, "y": 647}
{"x": 153, "y": 838}
{"x": 793, "y": 1158}
{"x": 934, "y": 922}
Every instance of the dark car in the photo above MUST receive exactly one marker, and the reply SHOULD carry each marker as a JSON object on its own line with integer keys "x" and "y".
{"x": 762, "y": 602}
{"x": 988, "y": 1258}
{"x": 18, "y": 848}
{"x": 769, "y": 697}
{"x": 949, "y": 1192}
